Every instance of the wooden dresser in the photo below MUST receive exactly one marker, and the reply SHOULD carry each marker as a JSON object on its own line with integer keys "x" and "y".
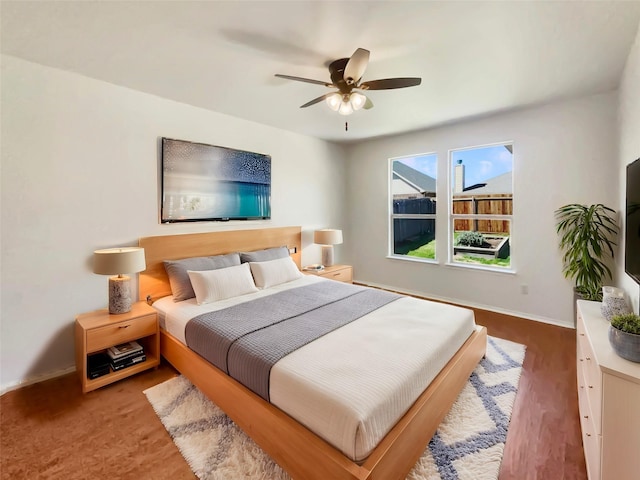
{"x": 609, "y": 400}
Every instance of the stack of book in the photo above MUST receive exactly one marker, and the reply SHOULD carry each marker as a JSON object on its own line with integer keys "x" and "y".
{"x": 125, "y": 355}
{"x": 316, "y": 267}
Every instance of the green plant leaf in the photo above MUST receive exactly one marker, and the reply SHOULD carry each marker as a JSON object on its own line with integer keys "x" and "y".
{"x": 587, "y": 237}
{"x": 629, "y": 323}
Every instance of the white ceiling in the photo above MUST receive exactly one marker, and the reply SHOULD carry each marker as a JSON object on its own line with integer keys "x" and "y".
{"x": 474, "y": 57}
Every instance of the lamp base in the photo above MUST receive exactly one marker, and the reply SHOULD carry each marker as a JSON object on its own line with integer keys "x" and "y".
{"x": 327, "y": 255}
{"x": 119, "y": 294}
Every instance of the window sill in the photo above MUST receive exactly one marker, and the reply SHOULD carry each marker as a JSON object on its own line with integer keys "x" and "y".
{"x": 486, "y": 268}
{"x": 407, "y": 258}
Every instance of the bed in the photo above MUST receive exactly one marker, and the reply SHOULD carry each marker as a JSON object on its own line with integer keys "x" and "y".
{"x": 306, "y": 453}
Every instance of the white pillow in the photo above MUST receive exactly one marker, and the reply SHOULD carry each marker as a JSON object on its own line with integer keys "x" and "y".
{"x": 274, "y": 272}
{"x": 214, "y": 285}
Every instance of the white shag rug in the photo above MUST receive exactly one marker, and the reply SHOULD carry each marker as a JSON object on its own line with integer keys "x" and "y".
{"x": 469, "y": 442}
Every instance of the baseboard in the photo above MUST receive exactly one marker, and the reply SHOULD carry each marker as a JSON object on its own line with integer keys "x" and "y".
{"x": 464, "y": 303}
{"x": 36, "y": 379}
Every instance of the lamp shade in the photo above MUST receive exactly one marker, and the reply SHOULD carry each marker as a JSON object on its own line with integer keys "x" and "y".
{"x": 334, "y": 100}
{"x": 116, "y": 261}
{"x": 357, "y": 100}
{"x": 327, "y": 236}
{"x": 345, "y": 108}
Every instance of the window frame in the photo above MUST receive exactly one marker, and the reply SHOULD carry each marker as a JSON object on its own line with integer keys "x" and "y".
{"x": 452, "y": 217}
{"x": 419, "y": 216}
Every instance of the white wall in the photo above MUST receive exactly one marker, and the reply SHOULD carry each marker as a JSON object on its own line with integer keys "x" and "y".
{"x": 629, "y": 118}
{"x": 80, "y": 172}
{"x": 563, "y": 153}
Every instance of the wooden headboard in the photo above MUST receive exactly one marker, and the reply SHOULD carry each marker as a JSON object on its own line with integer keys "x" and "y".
{"x": 154, "y": 280}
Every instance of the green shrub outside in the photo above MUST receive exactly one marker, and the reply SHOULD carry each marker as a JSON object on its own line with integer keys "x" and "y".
{"x": 470, "y": 239}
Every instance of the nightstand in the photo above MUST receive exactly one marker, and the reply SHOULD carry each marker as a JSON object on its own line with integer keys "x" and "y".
{"x": 99, "y": 330}
{"x": 341, "y": 273}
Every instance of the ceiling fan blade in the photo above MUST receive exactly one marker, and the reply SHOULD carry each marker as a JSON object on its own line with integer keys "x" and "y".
{"x": 316, "y": 100}
{"x": 390, "y": 83}
{"x": 356, "y": 66}
{"x": 307, "y": 80}
{"x": 368, "y": 104}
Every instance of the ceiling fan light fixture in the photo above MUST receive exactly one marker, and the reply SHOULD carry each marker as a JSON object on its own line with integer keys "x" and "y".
{"x": 345, "y": 108}
{"x": 346, "y": 75}
{"x": 334, "y": 100}
{"x": 357, "y": 100}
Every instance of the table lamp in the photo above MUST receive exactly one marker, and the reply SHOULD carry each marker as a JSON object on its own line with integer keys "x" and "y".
{"x": 327, "y": 237}
{"x": 118, "y": 261}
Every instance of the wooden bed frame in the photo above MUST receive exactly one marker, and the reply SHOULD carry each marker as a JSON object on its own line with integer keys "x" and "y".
{"x": 300, "y": 452}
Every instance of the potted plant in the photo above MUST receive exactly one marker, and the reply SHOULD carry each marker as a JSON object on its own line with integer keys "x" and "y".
{"x": 624, "y": 336}
{"x": 587, "y": 237}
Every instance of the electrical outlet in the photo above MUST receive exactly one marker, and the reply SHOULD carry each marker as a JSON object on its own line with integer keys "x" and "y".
{"x": 524, "y": 289}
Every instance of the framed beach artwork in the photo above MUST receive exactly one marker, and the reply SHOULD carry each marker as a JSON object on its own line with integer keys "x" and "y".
{"x": 203, "y": 182}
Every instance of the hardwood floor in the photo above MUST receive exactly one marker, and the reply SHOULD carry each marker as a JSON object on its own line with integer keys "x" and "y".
{"x": 51, "y": 430}
{"x": 544, "y": 440}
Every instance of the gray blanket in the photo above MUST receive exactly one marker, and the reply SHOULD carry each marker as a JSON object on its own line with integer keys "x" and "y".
{"x": 246, "y": 340}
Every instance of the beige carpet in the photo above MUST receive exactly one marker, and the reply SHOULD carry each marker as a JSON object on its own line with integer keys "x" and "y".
{"x": 468, "y": 444}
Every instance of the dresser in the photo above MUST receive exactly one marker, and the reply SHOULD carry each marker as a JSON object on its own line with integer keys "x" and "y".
{"x": 609, "y": 400}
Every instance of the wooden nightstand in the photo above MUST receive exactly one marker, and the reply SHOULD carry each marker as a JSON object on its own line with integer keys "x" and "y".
{"x": 342, "y": 273}
{"x": 97, "y": 331}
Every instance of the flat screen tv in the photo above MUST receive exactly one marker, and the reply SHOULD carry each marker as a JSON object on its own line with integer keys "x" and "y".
{"x": 209, "y": 183}
{"x": 632, "y": 230}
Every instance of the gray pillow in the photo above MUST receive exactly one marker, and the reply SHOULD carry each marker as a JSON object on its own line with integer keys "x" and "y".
{"x": 179, "y": 278}
{"x": 264, "y": 255}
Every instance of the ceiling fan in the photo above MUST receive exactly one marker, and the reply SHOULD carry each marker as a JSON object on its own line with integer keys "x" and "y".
{"x": 346, "y": 75}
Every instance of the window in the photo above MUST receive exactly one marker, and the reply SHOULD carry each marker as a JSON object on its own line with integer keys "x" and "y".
{"x": 413, "y": 206}
{"x": 481, "y": 206}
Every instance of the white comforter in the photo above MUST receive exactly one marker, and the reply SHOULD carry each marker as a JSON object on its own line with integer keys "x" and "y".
{"x": 352, "y": 385}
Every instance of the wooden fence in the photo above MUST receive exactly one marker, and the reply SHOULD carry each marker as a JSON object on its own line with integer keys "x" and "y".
{"x": 498, "y": 204}
{"x": 404, "y": 228}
